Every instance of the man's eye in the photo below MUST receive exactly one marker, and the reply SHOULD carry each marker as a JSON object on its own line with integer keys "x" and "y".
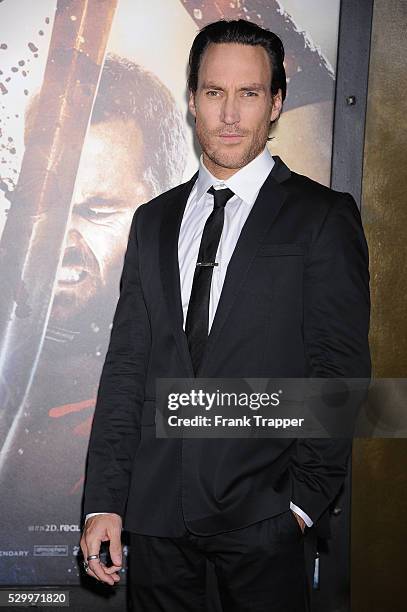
{"x": 212, "y": 93}
{"x": 250, "y": 93}
{"x": 100, "y": 212}
{"x": 94, "y": 212}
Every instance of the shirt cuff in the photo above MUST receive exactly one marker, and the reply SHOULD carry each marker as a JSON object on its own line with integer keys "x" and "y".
{"x": 94, "y": 514}
{"x": 302, "y": 514}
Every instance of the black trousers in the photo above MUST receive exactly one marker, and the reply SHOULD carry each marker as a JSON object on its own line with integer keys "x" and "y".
{"x": 259, "y": 568}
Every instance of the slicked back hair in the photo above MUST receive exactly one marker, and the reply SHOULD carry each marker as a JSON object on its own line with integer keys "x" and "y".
{"x": 239, "y": 31}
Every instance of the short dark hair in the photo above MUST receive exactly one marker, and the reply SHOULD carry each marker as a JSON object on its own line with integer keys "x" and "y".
{"x": 129, "y": 92}
{"x": 241, "y": 32}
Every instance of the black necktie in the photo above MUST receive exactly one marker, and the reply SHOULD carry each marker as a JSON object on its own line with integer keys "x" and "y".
{"x": 197, "y": 321}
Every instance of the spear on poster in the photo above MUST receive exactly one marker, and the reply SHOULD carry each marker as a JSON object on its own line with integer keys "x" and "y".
{"x": 32, "y": 242}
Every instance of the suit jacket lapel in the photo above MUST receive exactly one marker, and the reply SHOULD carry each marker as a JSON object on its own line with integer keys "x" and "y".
{"x": 169, "y": 266}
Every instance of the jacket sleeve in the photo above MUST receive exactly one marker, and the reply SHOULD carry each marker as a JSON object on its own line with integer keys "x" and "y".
{"x": 115, "y": 432}
{"x": 336, "y": 327}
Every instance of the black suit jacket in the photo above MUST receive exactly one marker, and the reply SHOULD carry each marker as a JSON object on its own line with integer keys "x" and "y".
{"x": 295, "y": 303}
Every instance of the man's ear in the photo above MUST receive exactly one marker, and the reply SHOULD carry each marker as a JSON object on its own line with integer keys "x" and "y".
{"x": 191, "y": 104}
{"x": 277, "y": 106}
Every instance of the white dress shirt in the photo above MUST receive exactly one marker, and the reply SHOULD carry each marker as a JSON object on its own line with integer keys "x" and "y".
{"x": 245, "y": 184}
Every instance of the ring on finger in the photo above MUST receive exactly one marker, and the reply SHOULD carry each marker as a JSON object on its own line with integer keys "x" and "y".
{"x": 86, "y": 568}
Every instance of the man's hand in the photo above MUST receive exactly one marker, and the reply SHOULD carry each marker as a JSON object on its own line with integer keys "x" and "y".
{"x": 97, "y": 529}
{"x": 300, "y": 520}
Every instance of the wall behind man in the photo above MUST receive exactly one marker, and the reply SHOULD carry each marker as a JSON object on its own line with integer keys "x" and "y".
{"x": 379, "y": 499}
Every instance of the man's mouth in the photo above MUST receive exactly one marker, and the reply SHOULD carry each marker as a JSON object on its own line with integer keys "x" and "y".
{"x": 70, "y": 275}
{"x": 230, "y": 137}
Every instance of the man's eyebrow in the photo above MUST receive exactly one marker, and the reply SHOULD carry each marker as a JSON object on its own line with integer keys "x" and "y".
{"x": 211, "y": 85}
{"x": 245, "y": 87}
{"x": 253, "y": 87}
{"x": 101, "y": 201}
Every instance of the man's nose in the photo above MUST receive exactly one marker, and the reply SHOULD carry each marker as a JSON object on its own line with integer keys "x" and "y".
{"x": 230, "y": 110}
{"x": 73, "y": 238}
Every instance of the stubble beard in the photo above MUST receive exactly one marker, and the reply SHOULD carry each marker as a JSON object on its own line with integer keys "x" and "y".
{"x": 232, "y": 160}
{"x": 70, "y": 306}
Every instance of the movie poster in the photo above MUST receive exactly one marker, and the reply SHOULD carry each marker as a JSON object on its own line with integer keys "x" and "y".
{"x": 93, "y": 123}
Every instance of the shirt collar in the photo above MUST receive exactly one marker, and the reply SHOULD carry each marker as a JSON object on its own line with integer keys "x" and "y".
{"x": 245, "y": 183}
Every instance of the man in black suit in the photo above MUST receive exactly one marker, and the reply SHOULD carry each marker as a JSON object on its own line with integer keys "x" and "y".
{"x": 283, "y": 292}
